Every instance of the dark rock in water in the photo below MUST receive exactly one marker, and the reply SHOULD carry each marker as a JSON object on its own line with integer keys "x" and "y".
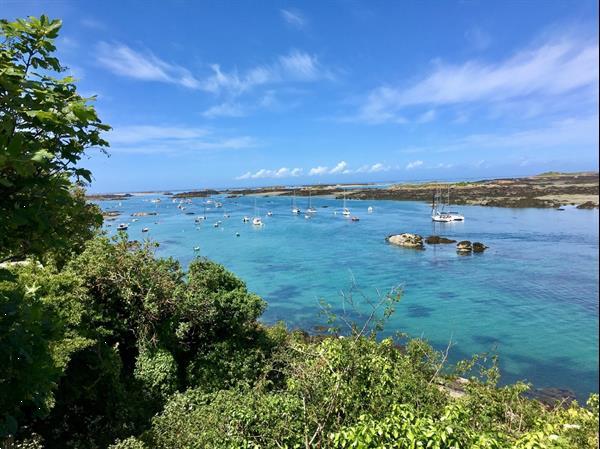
{"x": 407, "y": 240}
{"x": 464, "y": 246}
{"x": 436, "y": 239}
{"x": 560, "y": 208}
{"x": 588, "y": 205}
{"x": 478, "y": 247}
{"x": 551, "y": 396}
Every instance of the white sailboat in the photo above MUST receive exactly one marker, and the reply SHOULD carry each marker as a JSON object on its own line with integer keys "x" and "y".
{"x": 345, "y": 210}
{"x": 454, "y": 215}
{"x": 436, "y": 214}
{"x": 256, "y": 221}
{"x": 310, "y": 210}
{"x": 295, "y": 210}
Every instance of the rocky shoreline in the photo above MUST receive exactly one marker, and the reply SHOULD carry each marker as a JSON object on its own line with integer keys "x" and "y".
{"x": 548, "y": 190}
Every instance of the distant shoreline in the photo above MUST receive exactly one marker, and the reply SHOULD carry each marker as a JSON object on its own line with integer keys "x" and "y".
{"x": 547, "y": 190}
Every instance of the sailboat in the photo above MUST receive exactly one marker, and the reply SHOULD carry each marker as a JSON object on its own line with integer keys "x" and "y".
{"x": 310, "y": 210}
{"x": 203, "y": 217}
{"x": 295, "y": 209}
{"x": 436, "y": 214}
{"x": 454, "y": 215}
{"x": 345, "y": 210}
{"x": 256, "y": 221}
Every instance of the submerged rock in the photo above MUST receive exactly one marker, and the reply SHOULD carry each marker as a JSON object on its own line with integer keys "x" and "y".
{"x": 479, "y": 247}
{"x": 464, "y": 246}
{"x": 436, "y": 239}
{"x": 407, "y": 240}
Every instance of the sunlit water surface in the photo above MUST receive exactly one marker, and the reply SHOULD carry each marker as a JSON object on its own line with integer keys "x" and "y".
{"x": 532, "y": 297}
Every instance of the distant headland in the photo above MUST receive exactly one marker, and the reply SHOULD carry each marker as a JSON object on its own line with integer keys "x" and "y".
{"x": 546, "y": 190}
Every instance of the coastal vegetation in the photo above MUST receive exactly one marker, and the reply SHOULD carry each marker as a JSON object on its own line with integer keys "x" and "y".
{"x": 103, "y": 344}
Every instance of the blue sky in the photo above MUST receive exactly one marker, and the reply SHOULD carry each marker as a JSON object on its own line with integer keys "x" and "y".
{"x": 214, "y": 93}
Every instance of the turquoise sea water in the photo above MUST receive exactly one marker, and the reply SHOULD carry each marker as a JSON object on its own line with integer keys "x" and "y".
{"x": 532, "y": 297}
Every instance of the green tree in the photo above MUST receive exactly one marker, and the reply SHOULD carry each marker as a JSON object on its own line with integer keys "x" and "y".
{"x": 45, "y": 128}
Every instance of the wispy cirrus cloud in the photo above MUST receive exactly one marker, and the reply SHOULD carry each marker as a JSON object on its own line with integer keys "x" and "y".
{"x": 548, "y": 71}
{"x": 125, "y": 61}
{"x": 295, "y": 66}
{"x": 172, "y": 139}
{"x": 226, "y": 109}
{"x": 294, "y": 18}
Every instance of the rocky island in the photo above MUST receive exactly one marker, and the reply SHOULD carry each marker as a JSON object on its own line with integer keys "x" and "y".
{"x": 547, "y": 190}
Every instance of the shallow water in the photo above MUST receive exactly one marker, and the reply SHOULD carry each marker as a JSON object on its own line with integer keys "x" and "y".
{"x": 532, "y": 297}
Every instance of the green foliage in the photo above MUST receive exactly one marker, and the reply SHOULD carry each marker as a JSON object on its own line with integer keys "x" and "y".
{"x": 156, "y": 369}
{"x": 45, "y": 128}
{"x": 29, "y": 373}
{"x": 227, "y": 419}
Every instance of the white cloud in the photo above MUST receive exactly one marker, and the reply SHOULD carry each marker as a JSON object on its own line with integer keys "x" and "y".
{"x": 295, "y": 66}
{"x": 282, "y": 172}
{"x": 414, "y": 164}
{"x": 294, "y": 18}
{"x": 143, "y": 133}
{"x": 548, "y": 71}
{"x": 320, "y": 170}
{"x": 339, "y": 168}
{"x": 225, "y": 110}
{"x": 123, "y": 60}
{"x": 377, "y": 168}
{"x": 171, "y": 139}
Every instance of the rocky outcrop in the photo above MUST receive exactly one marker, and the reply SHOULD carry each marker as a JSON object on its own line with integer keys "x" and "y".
{"x": 479, "y": 247}
{"x": 588, "y": 205}
{"x": 143, "y": 214}
{"x": 109, "y": 196}
{"x": 464, "y": 246}
{"x": 436, "y": 240}
{"x": 406, "y": 240}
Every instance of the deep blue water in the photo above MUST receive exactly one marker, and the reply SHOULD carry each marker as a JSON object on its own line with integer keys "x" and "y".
{"x": 532, "y": 297}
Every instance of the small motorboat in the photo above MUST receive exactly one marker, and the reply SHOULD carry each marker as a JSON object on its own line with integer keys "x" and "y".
{"x": 256, "y": 221}
{"x": 346, "y": 212}
{"x": 122, "y": 227}
{"x": 370, "y": 210}
{"x": 134, "y": 220}
{"x": 237, "y": 234}
{"x": 355, "y": 219}
{"x": 245, "y": 219}
{"x": 145, "y": 229}
{"x": 196, "y": 248}
{"x": 199, "y": 219}
{"x": 270, "y": 214}
{"x": 308, "y": 216}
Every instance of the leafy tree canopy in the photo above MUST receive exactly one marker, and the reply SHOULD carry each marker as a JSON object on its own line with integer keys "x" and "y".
{"x": 45, "y": 128}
